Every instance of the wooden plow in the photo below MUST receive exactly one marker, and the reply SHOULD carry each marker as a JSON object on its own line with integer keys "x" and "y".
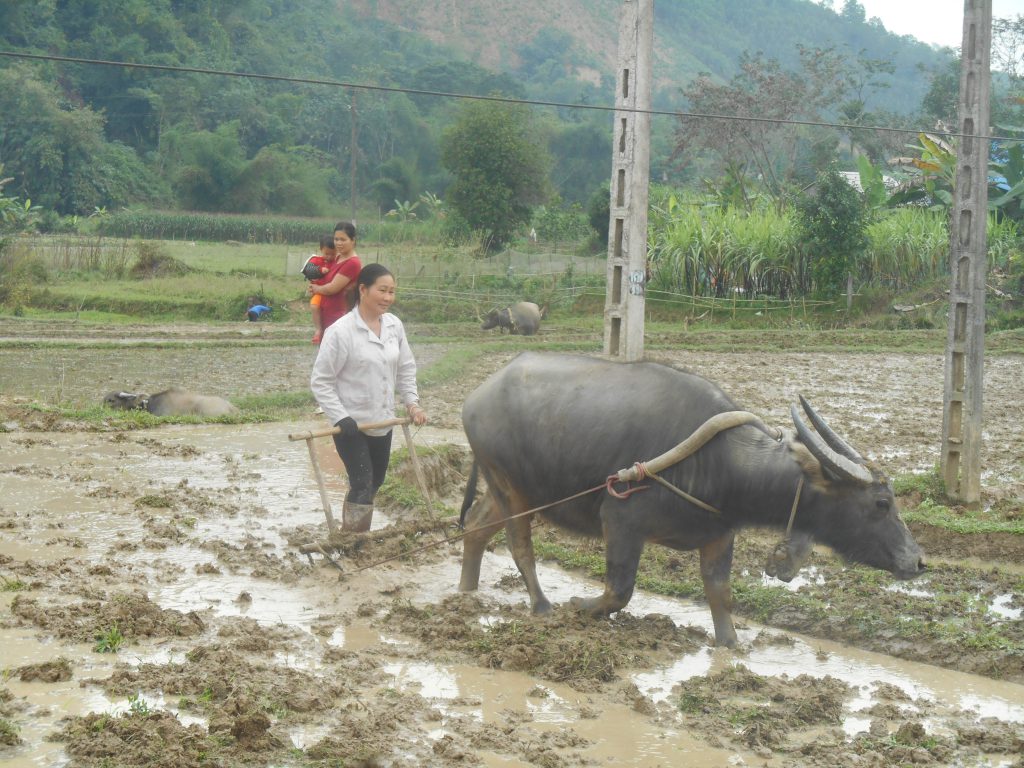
{"x": 324, "y": 548}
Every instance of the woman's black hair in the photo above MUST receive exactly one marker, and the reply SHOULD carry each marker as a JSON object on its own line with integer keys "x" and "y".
{"x": 347, "y": 227}
{"x": 327, "y": 241}
{"x": 369, "y": 275}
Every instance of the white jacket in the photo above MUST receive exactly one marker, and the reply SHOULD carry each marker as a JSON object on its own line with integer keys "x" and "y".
{"x": 357, "y": 374}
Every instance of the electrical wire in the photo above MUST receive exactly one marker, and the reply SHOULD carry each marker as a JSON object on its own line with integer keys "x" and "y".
{"x": 474, "y": 97}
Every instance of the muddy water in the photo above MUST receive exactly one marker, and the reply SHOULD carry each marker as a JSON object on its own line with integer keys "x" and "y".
{"x": 72, "y": 503}
{"x": 888, "y": 405}
{"x": 81, "y": 376}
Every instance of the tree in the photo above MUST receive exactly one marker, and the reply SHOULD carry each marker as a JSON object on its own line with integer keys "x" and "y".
{"x": 208, "y": 163}
{"x": 58, "y": 156}
{"x": 498, "y": 169}
{"x": 763, "y": 91}
{"x": 833, "y": 222}
{"x": 853, "y": 12}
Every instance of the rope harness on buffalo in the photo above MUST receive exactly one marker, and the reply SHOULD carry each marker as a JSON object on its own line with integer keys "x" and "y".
{"x": 637, "y": 473}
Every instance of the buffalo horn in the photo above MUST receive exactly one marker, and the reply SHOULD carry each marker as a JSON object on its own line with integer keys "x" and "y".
{"x": 839, "y": 465}
{"x": 835, "y": 442}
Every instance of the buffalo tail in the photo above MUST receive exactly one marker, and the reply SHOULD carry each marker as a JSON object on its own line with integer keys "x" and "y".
{"x": 467, "y": 500}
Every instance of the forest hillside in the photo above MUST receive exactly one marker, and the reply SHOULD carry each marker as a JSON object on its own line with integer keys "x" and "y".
{"x": 76, "y": 138}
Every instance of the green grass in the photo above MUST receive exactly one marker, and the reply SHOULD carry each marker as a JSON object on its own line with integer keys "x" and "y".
{"x": 923, "y": 499}
{"x": 12, "y": 585}
{"x": 109, "y": 641}
{"x": 9, "y": 733}
{"x": 253, "y": 409}
{"x": 963, "y": 520}
{"x": 92, "y": 279}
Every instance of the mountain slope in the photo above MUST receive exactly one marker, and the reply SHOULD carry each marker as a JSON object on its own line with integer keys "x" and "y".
{"x": 691, "y": 36}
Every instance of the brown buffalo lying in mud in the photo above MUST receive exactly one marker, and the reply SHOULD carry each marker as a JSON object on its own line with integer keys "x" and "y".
{"x": 170, "y": 402}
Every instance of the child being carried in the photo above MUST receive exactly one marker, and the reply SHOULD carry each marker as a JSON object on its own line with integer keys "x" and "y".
{"x": 313, "y": 270}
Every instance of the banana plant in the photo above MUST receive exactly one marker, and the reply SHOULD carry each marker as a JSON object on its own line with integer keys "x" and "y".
{"x": 936, "y": 178}
{"x": 876, "y": 194}
{"x": 15, "y": 215}
{"x": 404, "y": 211}
{"x": 433, "y": 204}
{"x": 1006, "y": 177}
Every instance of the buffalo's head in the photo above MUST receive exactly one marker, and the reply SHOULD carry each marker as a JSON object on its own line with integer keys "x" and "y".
{"x": 126, "y": 401}
{"x": 494, "y": 319}
{"x": 856, "y": 510}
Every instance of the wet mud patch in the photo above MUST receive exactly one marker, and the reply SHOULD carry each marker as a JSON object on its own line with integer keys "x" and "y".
{"x": 737, "y": 705}
{"x": 564, "y": 646}
{"x": 472, "y": 671}
{"x": 943, "y": 543}
{"x": 131, "y": 614}
{"x": 257, "y": 558}
{"x": 930, "y": 619}
{"x": 801, "y": 718}
{"x": 223, "y": 681}
{"x": 159, "y": 740}
{"x": 905, "y": 739}
{"x": 392, "y": 543}
{"x": 376, "y": 733}
{"x": 9, "y": 731}
{"x": 54, "y": 671}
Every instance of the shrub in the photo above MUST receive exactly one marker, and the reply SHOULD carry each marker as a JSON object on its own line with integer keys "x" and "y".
{"x": 153, "y": 262}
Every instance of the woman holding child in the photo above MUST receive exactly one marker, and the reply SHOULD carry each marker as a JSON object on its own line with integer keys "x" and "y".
{"x": 341, "y": 276}
{"x": 363, "y": 360}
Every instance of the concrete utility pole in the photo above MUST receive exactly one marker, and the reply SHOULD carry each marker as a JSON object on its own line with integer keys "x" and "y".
{"x": 355, "y": 153}
{"x": 968, "y": 257}
{"x": 631, "y": 170}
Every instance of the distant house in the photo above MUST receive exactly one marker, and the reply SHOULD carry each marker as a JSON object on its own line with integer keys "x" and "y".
{"x": 853, "y": 179}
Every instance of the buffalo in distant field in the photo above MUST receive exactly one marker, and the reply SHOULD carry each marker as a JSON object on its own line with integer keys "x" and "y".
{"x": 522, "y": 318}
{"x": 547, "y": 427}
{"x": 171, "y": 402}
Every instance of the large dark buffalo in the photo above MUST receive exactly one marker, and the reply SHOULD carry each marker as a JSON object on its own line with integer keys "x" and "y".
{"x": 171, "y": 402}
{"x": 549, "y": 426}
{"x": 522, "y": 318}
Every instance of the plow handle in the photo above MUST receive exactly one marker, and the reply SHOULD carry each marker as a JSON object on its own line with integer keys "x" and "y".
{"x": 328, "y": 431}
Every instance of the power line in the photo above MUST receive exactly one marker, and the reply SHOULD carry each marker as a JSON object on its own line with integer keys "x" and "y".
{"x": 474, "y": 97}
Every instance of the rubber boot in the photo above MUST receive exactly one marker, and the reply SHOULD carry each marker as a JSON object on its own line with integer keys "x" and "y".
{"x": 356, "y": 517}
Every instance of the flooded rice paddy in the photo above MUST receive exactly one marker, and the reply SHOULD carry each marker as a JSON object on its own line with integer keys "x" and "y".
{"x": 236, "y": 649}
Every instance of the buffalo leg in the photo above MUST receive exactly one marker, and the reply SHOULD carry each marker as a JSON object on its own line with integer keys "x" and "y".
{"x": 623, "y": 547}
{"x": 520, "y": 541}
{"x": 483, "y": 521}
{"x": 715, "y": 565}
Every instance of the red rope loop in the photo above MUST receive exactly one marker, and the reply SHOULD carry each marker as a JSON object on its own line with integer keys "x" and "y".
{"x": 612, "y": 479}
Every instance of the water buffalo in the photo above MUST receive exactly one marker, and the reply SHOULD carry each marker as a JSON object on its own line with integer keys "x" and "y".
{"x": 547, "y": 427}
{"x": 170, "y": 402}
{"x": 521, "y": 318}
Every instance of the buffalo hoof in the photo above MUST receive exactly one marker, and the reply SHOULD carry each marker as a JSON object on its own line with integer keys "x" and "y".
{"x": 595, "y": 607}
{"x": 541, "y": 608}
{"x": 728, "y": 642}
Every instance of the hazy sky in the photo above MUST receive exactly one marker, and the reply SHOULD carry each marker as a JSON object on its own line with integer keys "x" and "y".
{"x": 931, "y": 21}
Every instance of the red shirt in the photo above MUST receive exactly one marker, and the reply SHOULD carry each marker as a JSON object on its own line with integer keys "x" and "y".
{"x": 338, "y": 304}
{"x": 320, "y": 261}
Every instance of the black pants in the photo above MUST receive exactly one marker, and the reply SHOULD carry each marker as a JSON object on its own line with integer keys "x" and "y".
{"x": 366, "y": 461}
